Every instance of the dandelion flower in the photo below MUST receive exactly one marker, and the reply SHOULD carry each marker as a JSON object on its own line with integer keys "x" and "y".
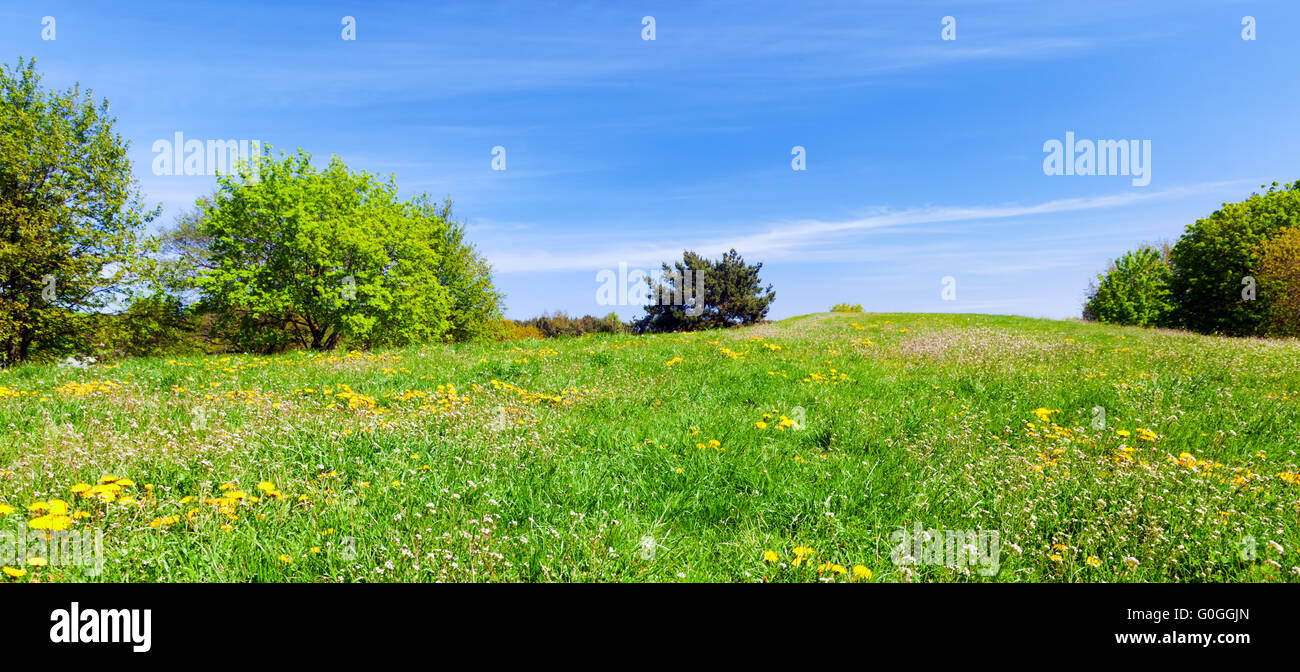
{"x": 50, "y": 522}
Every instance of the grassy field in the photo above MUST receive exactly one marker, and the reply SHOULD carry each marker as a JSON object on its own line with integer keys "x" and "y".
{"x": 784, "y": 452}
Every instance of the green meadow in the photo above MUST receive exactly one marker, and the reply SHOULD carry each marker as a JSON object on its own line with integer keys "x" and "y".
{"x": 784, "y": 452}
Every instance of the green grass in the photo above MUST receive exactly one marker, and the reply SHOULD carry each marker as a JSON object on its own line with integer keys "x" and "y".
{"x": 584, "y": 447}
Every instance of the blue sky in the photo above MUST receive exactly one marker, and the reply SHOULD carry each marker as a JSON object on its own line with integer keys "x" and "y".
{"x": 924, "y": 155}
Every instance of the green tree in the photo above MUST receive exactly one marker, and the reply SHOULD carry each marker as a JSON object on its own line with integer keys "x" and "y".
{"x": 1214, "y": 259}
{"x": 1278, "y": 274}
{"x": 476, "y": 303}
{"x": 322, "y": 255}
{"x": 696, "y": 293}
{"x": 70, "y": 214}
{"x": 1134, "y": 290}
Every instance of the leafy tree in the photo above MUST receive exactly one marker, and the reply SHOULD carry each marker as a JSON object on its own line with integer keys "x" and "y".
{"x": 476, "y": 303}
{"x": 1214, "y": 259}
{"x": 1134, "y": 290}
{"x": 70, "y": 214}
{"x": 1278, "y": 275}
{"x": 323, "y": 255}
{"x": 696, "y": 293}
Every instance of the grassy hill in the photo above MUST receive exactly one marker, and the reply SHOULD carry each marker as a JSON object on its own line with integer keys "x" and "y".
{"x": 1097, "y": 453}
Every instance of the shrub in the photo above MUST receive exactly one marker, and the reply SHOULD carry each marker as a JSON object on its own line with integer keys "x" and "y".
{"x": 1134, "y": 290}
{"x": 155, "y": 325}
{"x": 511, "y": 330}
{"x": 846, "y": 308}
{"x": 559, "y": 324}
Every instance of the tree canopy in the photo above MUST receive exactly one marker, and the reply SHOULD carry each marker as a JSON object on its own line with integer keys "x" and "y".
{"x": 70, "y": 214}
{"x": 1233, "y": 273}
{"x": 1278, "y": 273}
{"x": 1216, "y": 257}
{"x": 1134, "y": 290}
{"x": 696, "y": 293}
{"x": 324, "y": 255}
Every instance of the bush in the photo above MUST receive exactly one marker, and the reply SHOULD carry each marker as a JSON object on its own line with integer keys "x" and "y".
{"x": 155, "y": 325}
{"x": 1134, "y": 290}
{"x": 511, "y": 330}
{"x": 846, "y": 308}
{"x": 559, "y": 324}
{"x": 1278, "y": 278}
{"x": 1215, "y": 255}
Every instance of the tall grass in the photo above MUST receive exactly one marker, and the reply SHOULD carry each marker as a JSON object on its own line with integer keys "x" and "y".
{"x": 1099, "y": 454}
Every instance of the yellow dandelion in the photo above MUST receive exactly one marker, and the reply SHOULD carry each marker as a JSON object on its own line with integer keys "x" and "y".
{"x": 50, "y": 522}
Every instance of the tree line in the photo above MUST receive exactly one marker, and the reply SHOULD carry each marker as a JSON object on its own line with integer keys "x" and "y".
{"x": 282, "y": 255}
{"x": 1236, "y": 272}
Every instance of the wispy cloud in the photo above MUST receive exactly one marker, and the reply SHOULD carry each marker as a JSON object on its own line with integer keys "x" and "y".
{"x": 805, "y": 240}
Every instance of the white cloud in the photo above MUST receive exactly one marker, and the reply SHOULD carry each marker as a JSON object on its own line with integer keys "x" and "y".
{"x": 810, "y": 238}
